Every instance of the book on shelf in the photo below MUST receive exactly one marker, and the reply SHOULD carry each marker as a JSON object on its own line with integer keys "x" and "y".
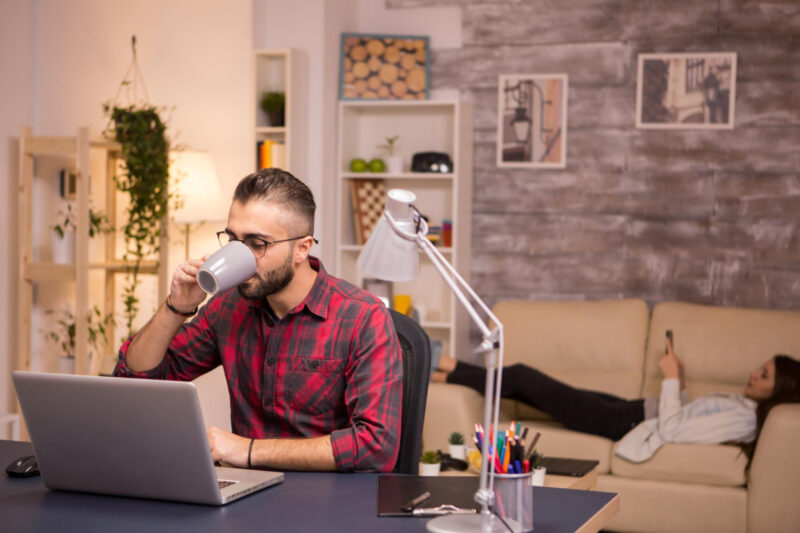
{"x": 270, "y": 154}
{"x": 278, "y": 155}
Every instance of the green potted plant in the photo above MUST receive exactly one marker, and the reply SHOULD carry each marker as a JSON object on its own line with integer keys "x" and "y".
{"x": 273, "y": 104}
{"x": 64, "y": 227}
{"x": 395, "y": 162}
{"x": 538, "y": 468}
{"x": 144, "y": 178}
{"x": 430, "y": 463}
{"x": 63, "y": 334}
{"x": 456, "y": 446}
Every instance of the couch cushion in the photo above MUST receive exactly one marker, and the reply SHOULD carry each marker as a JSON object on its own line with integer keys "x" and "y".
{"x": 662, "y": 507}
{"x": 595, "y": 345}
{"x": 557, "y": 441}
{"x": 719, "y": 346}
{"x": 711, "y": 464}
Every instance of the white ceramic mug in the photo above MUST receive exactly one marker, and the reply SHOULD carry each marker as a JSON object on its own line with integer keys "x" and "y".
{"x": 229, "y": 266}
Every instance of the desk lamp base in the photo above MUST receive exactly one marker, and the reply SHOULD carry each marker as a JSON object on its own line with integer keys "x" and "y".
{"x": 465, "y": 523}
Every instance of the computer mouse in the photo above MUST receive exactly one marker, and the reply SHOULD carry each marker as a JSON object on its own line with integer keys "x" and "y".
{"x": 25, "y": 466}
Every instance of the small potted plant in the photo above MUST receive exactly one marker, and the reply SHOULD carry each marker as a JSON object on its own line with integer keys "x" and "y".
{"x": 430, "y": 463}
{"x": 64, "y": 230}
{"x": 273, "y": 104}
{"x": 63, "y": 335}
{"x": 538, "y": 469}
{"x": 456, "y": 446}
{"x": 395, "y": 162}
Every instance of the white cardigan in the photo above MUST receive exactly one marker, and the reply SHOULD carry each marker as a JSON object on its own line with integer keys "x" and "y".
{"x": 708, "y": 420}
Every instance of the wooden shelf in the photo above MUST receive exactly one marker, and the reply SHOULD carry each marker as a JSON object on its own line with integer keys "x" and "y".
{"x": 271, "y": 130}
{"x": 436, "y": 325}
{"x": 83, "y": 153}
{"x": 52, "y": 146}
{"x": 403, "y": 176}
{"x": 146, "y": 267}
{"x": 39, "y": 271}
{"x": 273, "y": 73}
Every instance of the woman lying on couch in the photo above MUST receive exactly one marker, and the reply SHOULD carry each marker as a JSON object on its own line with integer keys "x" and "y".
{"x": 643, "y": 425}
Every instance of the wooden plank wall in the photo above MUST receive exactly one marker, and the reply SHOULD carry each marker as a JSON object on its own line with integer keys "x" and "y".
{"x": 708, "y": 216}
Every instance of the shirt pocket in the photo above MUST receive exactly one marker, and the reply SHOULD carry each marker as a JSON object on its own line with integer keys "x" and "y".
{"x": 316, "y": 386}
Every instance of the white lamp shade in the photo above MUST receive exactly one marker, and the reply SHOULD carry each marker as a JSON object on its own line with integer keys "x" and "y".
{"x": 387, "y": 255}
{"x": 194, "y": 179}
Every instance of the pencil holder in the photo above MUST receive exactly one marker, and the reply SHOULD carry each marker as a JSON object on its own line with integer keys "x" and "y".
{"x": 514, "y": 500}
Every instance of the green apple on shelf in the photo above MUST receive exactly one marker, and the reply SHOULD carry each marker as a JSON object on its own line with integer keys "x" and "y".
{"x": 377, "y": 165}
{"x": 358, "y": 165}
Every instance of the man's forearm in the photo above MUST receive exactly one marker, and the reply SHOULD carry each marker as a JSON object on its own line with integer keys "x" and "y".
{"x": 148, "y": 347}
{"x": 294, "y": 454}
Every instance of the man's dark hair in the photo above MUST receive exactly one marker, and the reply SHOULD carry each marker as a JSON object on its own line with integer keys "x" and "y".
{"x": 279, "y": 186}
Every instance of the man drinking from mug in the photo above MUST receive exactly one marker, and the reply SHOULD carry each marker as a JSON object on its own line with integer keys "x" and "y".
{"x": 312, "y": 362}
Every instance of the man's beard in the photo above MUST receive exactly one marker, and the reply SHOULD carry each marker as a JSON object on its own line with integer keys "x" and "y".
{"x": 272, "y": 282}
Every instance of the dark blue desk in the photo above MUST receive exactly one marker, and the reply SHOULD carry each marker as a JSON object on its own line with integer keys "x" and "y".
{"x": 303, "y": 502}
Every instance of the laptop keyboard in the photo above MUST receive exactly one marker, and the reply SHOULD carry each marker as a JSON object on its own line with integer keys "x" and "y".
{"x": 223, "y": 484}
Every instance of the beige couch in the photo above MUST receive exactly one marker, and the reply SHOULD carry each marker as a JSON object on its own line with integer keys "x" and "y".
{"x": 614, "y": 346}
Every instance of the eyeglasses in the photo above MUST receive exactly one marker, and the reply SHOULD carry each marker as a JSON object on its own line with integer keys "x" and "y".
{"x": 257, "y": 246}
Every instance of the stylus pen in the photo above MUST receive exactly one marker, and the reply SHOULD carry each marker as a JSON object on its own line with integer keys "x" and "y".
{"x": 408, "y": 507}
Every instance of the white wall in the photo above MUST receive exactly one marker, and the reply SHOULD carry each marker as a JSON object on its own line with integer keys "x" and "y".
{"x": 16, "y": 109}
{"x": 59, "y": 61}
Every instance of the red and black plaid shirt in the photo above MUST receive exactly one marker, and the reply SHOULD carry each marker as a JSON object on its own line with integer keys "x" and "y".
{"x": 332, "y": 365}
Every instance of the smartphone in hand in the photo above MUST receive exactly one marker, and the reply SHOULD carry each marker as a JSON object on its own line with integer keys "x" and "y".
{"x": 670, "y": 342}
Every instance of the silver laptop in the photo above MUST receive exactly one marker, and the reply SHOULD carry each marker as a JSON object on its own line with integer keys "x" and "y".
{"x": 127, "y": 437}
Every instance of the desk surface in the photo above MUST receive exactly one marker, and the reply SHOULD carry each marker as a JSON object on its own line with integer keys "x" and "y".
{"x": 318, "y": 501}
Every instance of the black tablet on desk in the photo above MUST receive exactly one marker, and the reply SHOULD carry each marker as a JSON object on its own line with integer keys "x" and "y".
{"x": 564, "y": 466}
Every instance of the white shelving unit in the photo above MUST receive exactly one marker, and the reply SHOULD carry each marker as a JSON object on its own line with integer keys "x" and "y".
{"x": 273, "y": 73}
{"x": 422, "y": 126}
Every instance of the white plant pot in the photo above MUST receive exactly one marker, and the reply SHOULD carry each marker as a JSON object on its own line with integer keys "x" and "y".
{"x": 66, "y": 365}
{"x": 64, "y": 248}
{"x": 537, "y": 479}
{"x": 395, "y": 164}
{"x": 458, "y": 451}
{"x": 429, "y": 470}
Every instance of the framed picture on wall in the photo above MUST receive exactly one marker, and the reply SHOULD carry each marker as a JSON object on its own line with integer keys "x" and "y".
{"x": 384, "y": 67}
{"x": 532, "y": 120}
{"x": 686, "y": 91}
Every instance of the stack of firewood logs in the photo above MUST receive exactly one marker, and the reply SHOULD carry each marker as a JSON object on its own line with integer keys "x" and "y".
{"x": 385, "y": 67}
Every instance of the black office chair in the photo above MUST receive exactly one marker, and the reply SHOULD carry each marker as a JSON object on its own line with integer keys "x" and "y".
{"x": 416, "y": 347}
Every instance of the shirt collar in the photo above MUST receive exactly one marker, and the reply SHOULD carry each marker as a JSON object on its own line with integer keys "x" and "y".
{"x": 317, "y": 299}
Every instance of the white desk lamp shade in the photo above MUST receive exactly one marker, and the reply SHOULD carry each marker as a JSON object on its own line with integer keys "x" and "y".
{"x": 387, "y": 255}
{"x": 194, "y": 175}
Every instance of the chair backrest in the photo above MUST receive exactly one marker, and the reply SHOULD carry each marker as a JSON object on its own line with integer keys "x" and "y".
{"x": 416, "y": 348}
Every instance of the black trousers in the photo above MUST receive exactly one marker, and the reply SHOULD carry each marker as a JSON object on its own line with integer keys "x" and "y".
{"x": 581, "y": 410}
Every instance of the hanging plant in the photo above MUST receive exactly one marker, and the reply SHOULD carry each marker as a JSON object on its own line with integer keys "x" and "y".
{"x": 144, "y": 178}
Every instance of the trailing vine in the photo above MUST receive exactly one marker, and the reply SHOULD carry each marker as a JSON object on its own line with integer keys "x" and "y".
{"x": 144, "y": 177}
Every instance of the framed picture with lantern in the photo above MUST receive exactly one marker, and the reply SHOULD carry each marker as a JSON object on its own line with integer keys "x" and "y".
{"x": 686, "y": 90}
{"x": 532, "y": 120}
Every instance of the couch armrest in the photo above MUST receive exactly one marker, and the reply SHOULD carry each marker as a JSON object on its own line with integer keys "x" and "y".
{"x": 774, "y": 484}
{"x": 450, "y": 408}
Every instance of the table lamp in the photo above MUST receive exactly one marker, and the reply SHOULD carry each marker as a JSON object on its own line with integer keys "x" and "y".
{"x": 391, "y": 253}
{"x": 195, "y": 179}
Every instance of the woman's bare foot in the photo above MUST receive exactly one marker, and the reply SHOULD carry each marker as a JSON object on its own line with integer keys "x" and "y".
{"x": 437, "y": 376}
{"x": 446, "y": 363}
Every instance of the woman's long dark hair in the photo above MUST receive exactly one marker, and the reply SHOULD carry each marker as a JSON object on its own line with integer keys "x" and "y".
{"x": 787, "y": 390}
